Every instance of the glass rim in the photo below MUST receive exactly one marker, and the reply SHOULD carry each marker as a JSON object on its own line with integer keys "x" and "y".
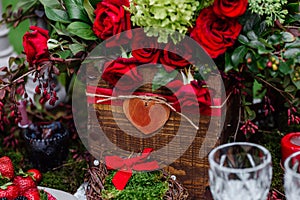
{"x": 286, "y": 163}
{"x": 262, "y": 165}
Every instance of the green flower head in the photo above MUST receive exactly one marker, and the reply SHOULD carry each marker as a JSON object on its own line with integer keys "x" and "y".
{"x": 163, "y": 17}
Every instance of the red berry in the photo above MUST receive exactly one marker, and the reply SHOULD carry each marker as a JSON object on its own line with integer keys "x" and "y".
{"x": 35, "y": 174}
{"x": 37, "y": 89}
{"x": 32, "y": 194}
{"x": 24, "y": 183}
{"x": 9, "y": 191}
{"x": 6, "y": 167}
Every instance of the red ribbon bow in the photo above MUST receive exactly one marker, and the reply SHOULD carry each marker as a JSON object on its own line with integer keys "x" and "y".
{"x": 125, "y": 167}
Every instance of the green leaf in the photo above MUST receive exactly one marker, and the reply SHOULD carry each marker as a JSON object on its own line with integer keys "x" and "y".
{"x": 228, "y": 63}
{"x": 297, "y": 84}
{"x": 288, "y": 37}
{"x": 252, "y": 36}
{"x": 238, "y": 55}
{"x": 89, "y": 10}
{"x": 162, "y": 77}
{"x": 256, "y": 44}
{"x": 275, "y": 39}
{"x": 286, "y": 81}
{"x": 76, "y": 10}
{"x": 51, "y": 3}
{"x": 243, "y": 39}
{"x": 25, "y": 5}
{"x": 290, "y": 88}
{"x": 57, "y": 15}
{"x": 82, "y": 30}
{"x": 258, "y": 93}
{"x": 64, "y": 54}
{"x": 76, "y": 48}
{"x": 284, "y": 67}
{"x": 263, "y": 50}
{"x": 292, "y": 52}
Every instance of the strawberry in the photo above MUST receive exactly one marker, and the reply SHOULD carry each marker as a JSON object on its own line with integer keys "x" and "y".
{"x": 24, "y": 183}
{"x": 35, "y": 174}
{"x": 32, "y": 194}
{"x": 9, "y": 190}
{"x": 6, "y": 167}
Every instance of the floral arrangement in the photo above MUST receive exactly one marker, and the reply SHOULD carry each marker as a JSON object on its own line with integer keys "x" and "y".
{"x": 255, "y": 45}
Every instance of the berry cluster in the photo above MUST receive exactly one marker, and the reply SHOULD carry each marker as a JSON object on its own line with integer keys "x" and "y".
{"x": 21, "y": 185}
{"x": 292, "y": 116}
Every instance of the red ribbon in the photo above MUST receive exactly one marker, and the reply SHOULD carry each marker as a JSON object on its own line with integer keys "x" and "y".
{"x": 126, "y": 166}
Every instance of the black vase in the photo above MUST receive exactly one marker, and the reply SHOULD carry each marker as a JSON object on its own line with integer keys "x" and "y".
{"x": 46, "y": 154}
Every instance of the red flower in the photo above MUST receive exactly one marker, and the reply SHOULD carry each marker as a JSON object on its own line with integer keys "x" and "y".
{"x": 191, "y": 96}
{"x": 176, "y": 56}
{"x": 230, "y": 8}
{"x": 122, "y": 73}
{"x": 214, "y": 34}
{"x": 146, "y": 49}
{"x": 35, "y": 45}
{"x": 111, "y": 19}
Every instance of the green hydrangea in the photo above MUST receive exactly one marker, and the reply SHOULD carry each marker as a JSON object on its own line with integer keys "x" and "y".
{"x": 163, "y": 17}
{"x": 272, "y": 9}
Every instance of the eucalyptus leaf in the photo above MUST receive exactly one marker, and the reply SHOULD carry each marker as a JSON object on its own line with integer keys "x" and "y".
{"x": 162, "y": 77}
{"x": 57, "y": 15}
{"x": 243, "y": 39}
{"x": 238, "y": 55}
{"x": 288, "y": 37}
{"x": 82, "y": 30}
{"x": 294, "y": 44}
{"x": 292, "y": 52}
{"x": 252, "y": 36}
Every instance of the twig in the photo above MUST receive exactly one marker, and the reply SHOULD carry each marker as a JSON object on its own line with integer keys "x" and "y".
{"x": 275, "y": 88}
{"x": 238, "y": 122}
{"x": 21, "y": 77}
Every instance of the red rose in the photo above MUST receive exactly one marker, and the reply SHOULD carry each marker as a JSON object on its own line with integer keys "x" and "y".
{"x": 122, "y": 73}
{"x": 176, "y": 56}
{"x": 111, "y": 19}
{"x": 230, "y": 8}
{"x": 191, "y": 96}
{"x": 146, "y": 49}
{"x": 214, "y": 34}
{"x": 35, "y": 45}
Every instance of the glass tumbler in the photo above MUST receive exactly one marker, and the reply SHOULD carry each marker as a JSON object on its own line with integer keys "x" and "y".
{"x": 292, "y": 176}
{"x": 240, "y": 171}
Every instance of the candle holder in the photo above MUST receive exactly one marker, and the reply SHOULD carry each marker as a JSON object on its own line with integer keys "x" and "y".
{"x": 46, "y": 144}
{"x": 290, "y": 144}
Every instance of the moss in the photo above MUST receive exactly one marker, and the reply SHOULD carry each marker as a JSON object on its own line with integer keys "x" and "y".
{"x": 68, "y": 177}
{"x": 142, "y": 185}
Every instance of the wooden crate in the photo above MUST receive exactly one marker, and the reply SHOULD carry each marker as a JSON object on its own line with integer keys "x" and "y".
{"x": 191, "y": 168}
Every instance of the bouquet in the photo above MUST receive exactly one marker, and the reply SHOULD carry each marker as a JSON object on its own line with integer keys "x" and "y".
{"x": 254, "y": 44}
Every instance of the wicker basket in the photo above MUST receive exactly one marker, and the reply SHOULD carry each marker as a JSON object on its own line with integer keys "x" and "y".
{"x": 191, "y": 169}
{"x": 96, "y": 179}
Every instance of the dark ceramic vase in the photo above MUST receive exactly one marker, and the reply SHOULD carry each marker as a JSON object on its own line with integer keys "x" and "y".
{"x": 48, "y": 153}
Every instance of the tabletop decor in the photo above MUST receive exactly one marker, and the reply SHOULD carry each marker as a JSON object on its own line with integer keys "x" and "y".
{"x": 290, "y": 144}
{"x": 254, "y": 45}
{"x": 292, "y": 176}
{"x": 144, "y": 182}
{"x": 240, "y": 170}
